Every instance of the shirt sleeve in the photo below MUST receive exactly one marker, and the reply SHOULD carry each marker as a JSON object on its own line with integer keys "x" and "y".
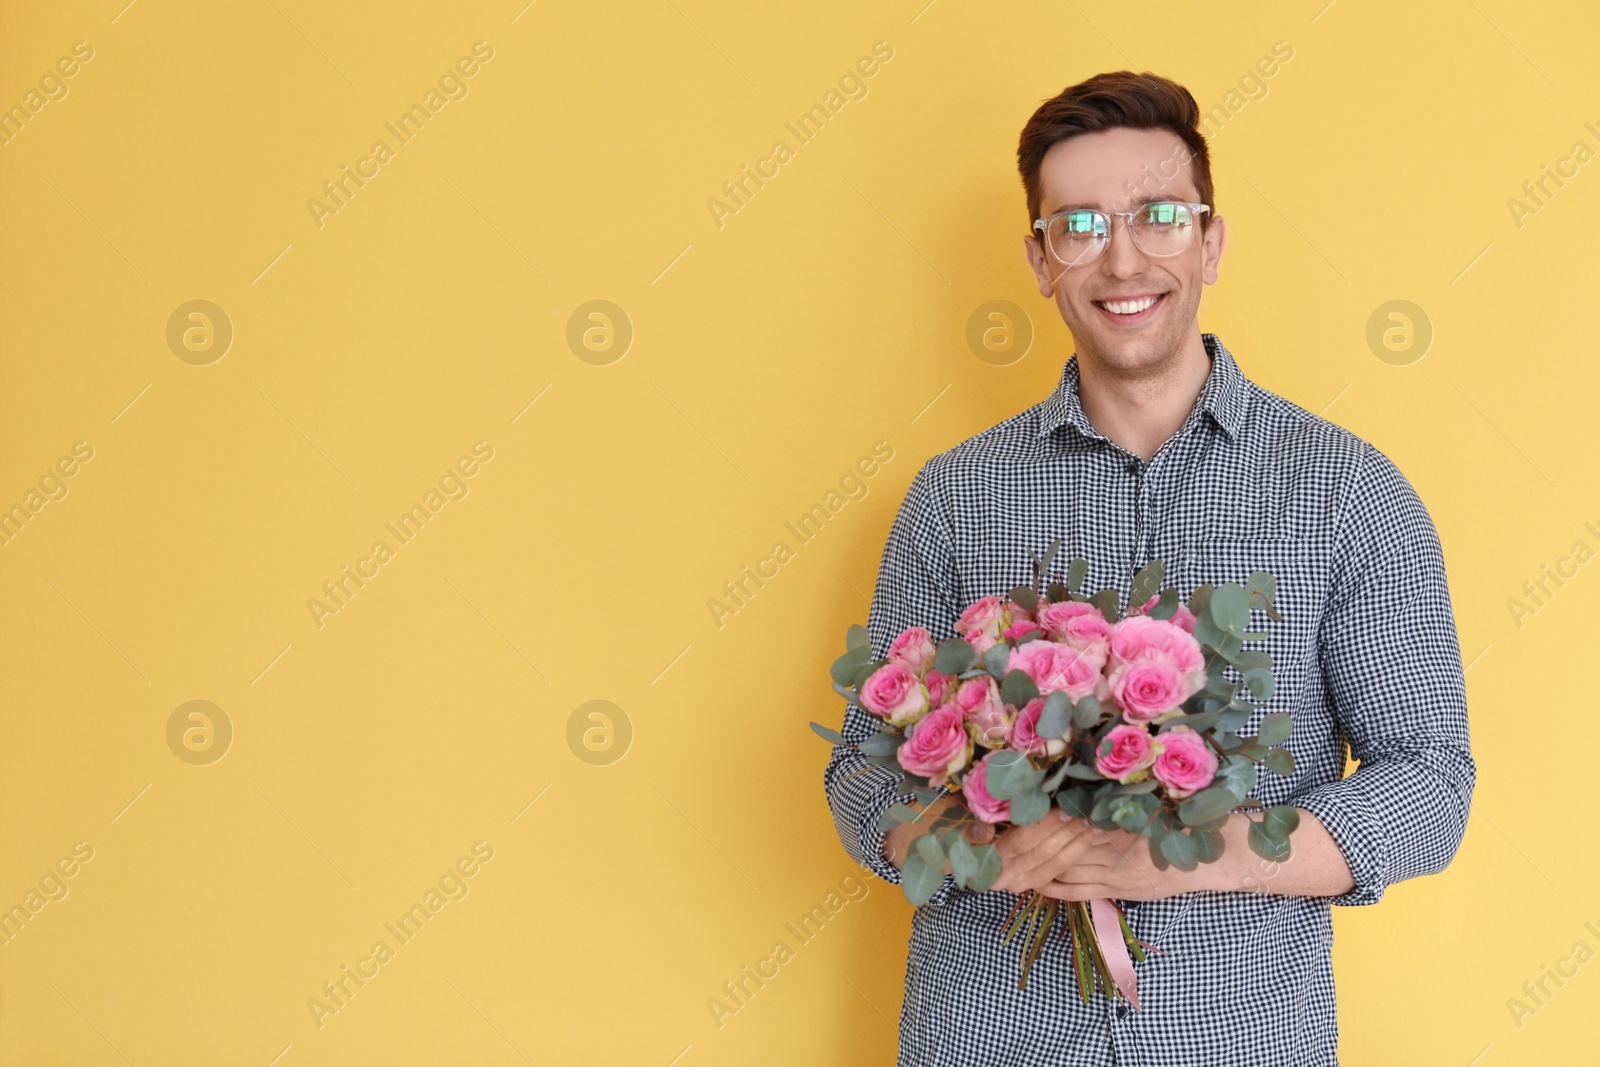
{"x": 1391, "y": 666}
{"x": 917, "y": 586}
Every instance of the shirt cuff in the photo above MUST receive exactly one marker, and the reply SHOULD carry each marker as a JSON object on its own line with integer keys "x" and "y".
{"x": 1345, "y": 809}
{"x": 871, "y": 844}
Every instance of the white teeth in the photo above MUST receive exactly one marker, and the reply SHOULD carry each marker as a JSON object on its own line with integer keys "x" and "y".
{"x": 1128, "y": 307}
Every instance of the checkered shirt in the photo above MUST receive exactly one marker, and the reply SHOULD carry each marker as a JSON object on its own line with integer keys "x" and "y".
{"x": 1366, "y": 656}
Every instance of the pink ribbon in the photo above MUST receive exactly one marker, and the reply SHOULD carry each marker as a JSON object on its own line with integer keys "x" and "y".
{"x": 1108, "y": 930}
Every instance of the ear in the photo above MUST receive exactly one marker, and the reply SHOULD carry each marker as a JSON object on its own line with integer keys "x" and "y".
{"x": 1211, "y": 252}
{"x": 1040, "y": 266}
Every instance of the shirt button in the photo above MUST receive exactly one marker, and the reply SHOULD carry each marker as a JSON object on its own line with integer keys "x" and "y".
{"x": 1122, "y": 1011}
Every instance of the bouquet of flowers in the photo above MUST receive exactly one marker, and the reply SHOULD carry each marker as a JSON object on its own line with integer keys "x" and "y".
{"x": 1046, "y": 697}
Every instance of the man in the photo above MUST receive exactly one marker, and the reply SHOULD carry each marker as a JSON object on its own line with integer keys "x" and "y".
{"x": 1156, "y": 446}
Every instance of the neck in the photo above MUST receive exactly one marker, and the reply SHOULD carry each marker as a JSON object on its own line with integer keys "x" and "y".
{"x": 1141, "y": 408}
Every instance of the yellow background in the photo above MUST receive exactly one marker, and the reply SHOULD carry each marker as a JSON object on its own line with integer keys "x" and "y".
{"x": 768, "y": 355}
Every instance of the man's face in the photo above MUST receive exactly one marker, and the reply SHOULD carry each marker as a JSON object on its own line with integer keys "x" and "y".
{"x": 1112, "y": 170}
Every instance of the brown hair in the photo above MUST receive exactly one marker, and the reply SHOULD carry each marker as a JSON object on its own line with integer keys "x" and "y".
{"x": 1120, "y": 98}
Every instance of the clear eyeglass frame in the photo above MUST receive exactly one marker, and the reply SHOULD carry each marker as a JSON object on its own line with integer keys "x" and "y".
{"x": 1102, "y": 225}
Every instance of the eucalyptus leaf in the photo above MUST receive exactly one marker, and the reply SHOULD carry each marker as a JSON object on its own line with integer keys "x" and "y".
{"x": 1128, "y": 813}
{"x": 1280, "y": 821}
{"x": 963, "y": 861}
{"x": 1077, "y": 571}
{"x": 881, "y": 744}
{"x": 918, "y": 880}
{"x": 1280, "y": 761}
{"x": 1025, "y": 598}
{"x": 1167, "y": 606}
{"x": 1232, "y": 718}
{"x": 989, "y": 867}
{"x": 829, "y": 735}
{"x": 1238, "y": 776}
{"x": 1056, "y": 716}
{"x": 1260, "y": 683}
{"x": 1157, "y": 856}
{"x": 848, "y": 694}
{"x": 1016, "y": 689}
{"x": 954, "y": 655}
{"x": 1230, "y": 607}
{"x": 1008, "y": 773}
{"x": 1084, "y": 772}
{"x": 847, "y": 666}
{"x": 1075, "y": 801}
{"x": 1274, "y": 729}
{"x": 996, "y": 659}
{"x": 1107, "y": 600}
{"x": 1086, "y": 712}
{"x": 1265, "y": 846}
{"x": 1208, "y": 845}
{"x": 1149, "y": 785}
{"x": 1147, "y": 583}
{"x": 1055, "y": 592}
{"x": 927, "y": 846}
{"x": 1029, "y": 806}
{"x": 1180, "y": 850}
{"x": 1206, "y": 805}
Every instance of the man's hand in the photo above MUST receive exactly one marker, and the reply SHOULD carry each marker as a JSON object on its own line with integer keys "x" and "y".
{"x": 1069, "y": 859}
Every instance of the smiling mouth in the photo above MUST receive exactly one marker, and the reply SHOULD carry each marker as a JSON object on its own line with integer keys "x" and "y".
{"x": 1133, "y": 309}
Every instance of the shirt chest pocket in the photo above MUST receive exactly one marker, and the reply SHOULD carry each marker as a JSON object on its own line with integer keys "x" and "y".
{"x": 1302, "y": 569}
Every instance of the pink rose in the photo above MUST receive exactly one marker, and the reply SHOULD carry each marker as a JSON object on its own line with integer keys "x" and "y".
{"x": 1138, "y": 636}
{"x": 895, "y": 694}
{"x": 1125, "y": 753}
{"x": 981, "y": 623}
{"x": 914, "y": 648}
{"x": 1054, "y": 666}
{"x": 1183, "y": 618}
{"x": 1147, "y": 689}
{"x": 941, "y": 687}
{"x": 979, "y": 801}
{"x": 1186, "y": 764}
{"x": 990, "y": 718}
{"x": 1020, "y": 627}
{"x": 1079, "y": 624}
{"x": 938, "y": 745}
{"x": 1024, "y": 735}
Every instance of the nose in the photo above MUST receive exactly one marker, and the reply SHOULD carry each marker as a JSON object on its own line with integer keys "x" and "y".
{"x": 1123, "y": 258}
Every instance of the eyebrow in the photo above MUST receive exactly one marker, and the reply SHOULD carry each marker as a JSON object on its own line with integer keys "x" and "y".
{"x": 1149, "y": 198}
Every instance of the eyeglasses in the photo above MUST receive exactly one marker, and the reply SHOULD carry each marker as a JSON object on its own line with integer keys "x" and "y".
{"x": 1078, "y": 235}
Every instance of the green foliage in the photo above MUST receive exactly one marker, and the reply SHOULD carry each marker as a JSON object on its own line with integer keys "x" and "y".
{"x": 1180, "y": 850}
{"x": 918, "y": 880}
{"x": 1029, "y": 806}
{"x": 856, "y": 637}
{"x": 954, "y": 655}
{"x": 1167, "y": 606}
{"x": 1280, "y": 761}
{"x": 1107, "y": 601}
{"x": 1009, "y": 773}
{"x": 847, "y": 667}
{"x": 1077, "y": 571}
{"x": 1016, "y": 688}
{"x": 1274, "y": 729}
{"x": 1025, "y": 598}
{"x": 1266, "y": 846}
{"x": 829, "y": 735}
{"x": 1147, "y": 583}
{"x": 1280, "y": 821}
{"x": 1206, "y": 805}
{"x": 1056, "y": 716}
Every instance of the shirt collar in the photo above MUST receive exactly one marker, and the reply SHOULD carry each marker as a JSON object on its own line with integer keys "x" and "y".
{"x": 1224, "y": 396}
